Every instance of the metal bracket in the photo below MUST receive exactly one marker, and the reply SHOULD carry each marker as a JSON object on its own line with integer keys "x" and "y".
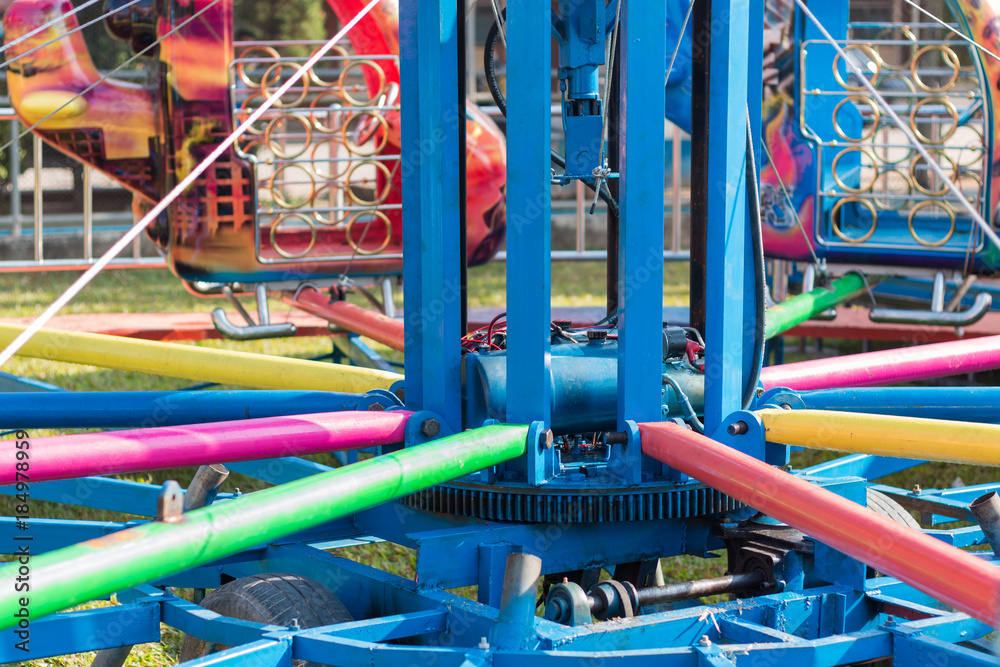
{"x": 938, "y": 315}
{"x": 253, "y": 330}
{"x": 170, "y": 504}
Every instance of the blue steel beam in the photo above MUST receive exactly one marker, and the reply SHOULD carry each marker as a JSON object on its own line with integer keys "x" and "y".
{"x": 529, "y": 210}
{"x": 972, "y": 404}
{"x": 640, "y": 263}
{"x": 87, "y": 630}
{"x": 103, "y": 493}
{"x": 860, "y": 465}
{"x": 430, "y": 115}
{"x": 141, "y": 409}
{"x": 726, "y": 210}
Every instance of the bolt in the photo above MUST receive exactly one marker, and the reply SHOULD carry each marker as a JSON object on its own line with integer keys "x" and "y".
{"x": 294, "y": 625}
{"x": 597, "y": 335}
{"x": 401, "y": 394}
{"x": 786, "y": 406}
{"x": 546, "y": 439}
{"x": 916, "y": 489}
{"x": 376, "y": 407}
{"x": 430, "y": 428}
{"x": 760, "y": 392}
{"x": 617, "y": 437}
{"x": 705, "y": 641}
{"x": 483, "y": 644}
{"x": 737, "y": 428}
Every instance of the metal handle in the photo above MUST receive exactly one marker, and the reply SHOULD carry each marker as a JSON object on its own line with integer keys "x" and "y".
{"x": 960, "y": 318}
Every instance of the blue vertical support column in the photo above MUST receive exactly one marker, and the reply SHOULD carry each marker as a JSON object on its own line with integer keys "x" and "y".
{"x": 755, "y": 89}
{"x": 431, "y": 215}
{"x": 640, "y": 248}
{"x": 726, "y": 210}
{"x": 529, "y": 210}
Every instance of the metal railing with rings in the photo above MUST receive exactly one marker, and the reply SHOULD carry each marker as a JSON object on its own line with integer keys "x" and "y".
{"x": 325, "y": 165}
{"x": 873, "y": 188}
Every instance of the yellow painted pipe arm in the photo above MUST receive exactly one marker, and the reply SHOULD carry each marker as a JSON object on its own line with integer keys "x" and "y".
{"x": 884, "y": 435}
{"x": 203, "y": 364}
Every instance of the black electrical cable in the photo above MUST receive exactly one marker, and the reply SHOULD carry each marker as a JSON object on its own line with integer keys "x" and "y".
{"x": 489, "y": 67}
{"x": 757, "y": 241}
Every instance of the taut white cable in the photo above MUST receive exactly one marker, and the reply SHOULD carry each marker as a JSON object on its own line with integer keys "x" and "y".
{"x": 945, "y": 25}
{"x": 62, "y": 36}
{"x": 48, "y": 24}
{"x": 133, "y": 233}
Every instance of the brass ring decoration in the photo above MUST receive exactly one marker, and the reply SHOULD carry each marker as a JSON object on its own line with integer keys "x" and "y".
{"x": 836, "y": 226}
{"x": 278, "y": 151}
{"x": 246, "y": 110}
{"x": 922, "y": 241}
{"x": 326, "y": 218}
{"x": 356, "y": 148}
{"x": 274, "y": 230}
{"x": 316, "y": 108}
{"x": 377, "y": 93}
{"x": 241, "y": 70}
{"x": 963, "y": 174}
{"x": 866, "y": 135}
{"x": 916, "y": 181}
{"x": 268, "y": 81}
{"x": 977, "y": 149}
{"x": 332, "y": 162}
{"x": 872, "y": 56}
{"x": 893, "y": 204}
{"x": 949, "y": 37}
{"x": 275, "y": 186}
{"x": 888, "y": 94}
{"x": 335, "y": 52}
{"x": 355, "y": 244}
{"x": 886, "y": 35}
{"x": 952, "y": 111}
{"x": 381, "y": 195}
{"x": 844, "y": 186}
{"x": 949, "y": 57}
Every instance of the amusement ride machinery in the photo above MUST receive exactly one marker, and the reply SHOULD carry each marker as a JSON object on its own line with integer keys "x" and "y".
{"x": 532, "y": 458}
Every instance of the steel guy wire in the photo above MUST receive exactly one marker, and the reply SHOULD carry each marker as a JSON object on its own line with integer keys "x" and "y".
{"x": 62, "y": 36}
{"x": 105, "y": 77}
{"x": 178, "y": 189}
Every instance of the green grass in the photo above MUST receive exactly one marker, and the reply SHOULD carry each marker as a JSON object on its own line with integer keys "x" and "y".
{"x": 574, "y": 284}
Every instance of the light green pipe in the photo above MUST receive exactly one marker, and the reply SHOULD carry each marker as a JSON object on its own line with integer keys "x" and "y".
{"x": 798, "y": 309}
{"x": 96, "y": 568}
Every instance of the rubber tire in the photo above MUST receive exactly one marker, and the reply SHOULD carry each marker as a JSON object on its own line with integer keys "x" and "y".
{"x": 882, "y": 504}
{"x": 276, "y": 599}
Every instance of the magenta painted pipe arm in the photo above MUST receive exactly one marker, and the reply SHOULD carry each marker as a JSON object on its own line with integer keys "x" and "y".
{"x": 888, "y": 366}
{"x": 138, "y": 450}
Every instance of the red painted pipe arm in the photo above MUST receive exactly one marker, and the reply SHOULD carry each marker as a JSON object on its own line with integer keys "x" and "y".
{"x": 139, "y": 450}
{"x": 905, "y": 364}
{"x": 955, "y": 577}
{"x": 359, "y": 320}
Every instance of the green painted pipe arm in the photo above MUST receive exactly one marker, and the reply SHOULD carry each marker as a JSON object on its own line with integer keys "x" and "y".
{"x": 96, "y": 568}
{"x": 798, "y": 309}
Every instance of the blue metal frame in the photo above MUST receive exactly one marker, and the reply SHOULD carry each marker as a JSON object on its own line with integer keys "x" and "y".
{"x": 529, "y": 212}
{"x": 827, "y": 612}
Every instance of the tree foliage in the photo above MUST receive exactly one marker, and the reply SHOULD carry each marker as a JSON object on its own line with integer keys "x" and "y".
{"x": 285, "y": 20}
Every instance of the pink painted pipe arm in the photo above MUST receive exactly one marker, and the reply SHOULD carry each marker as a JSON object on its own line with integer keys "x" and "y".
{"x": 958, "y": 578}
{"x": 888, "y": 366}
{"x": 138, "y": 450}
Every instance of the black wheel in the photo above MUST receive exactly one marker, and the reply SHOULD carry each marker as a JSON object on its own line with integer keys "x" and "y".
{"x": 882, "y": 504}
{"x": 270, "y": 598}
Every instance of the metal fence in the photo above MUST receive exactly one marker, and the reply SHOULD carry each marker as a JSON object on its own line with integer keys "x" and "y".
{"x": 60, "y": 227}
